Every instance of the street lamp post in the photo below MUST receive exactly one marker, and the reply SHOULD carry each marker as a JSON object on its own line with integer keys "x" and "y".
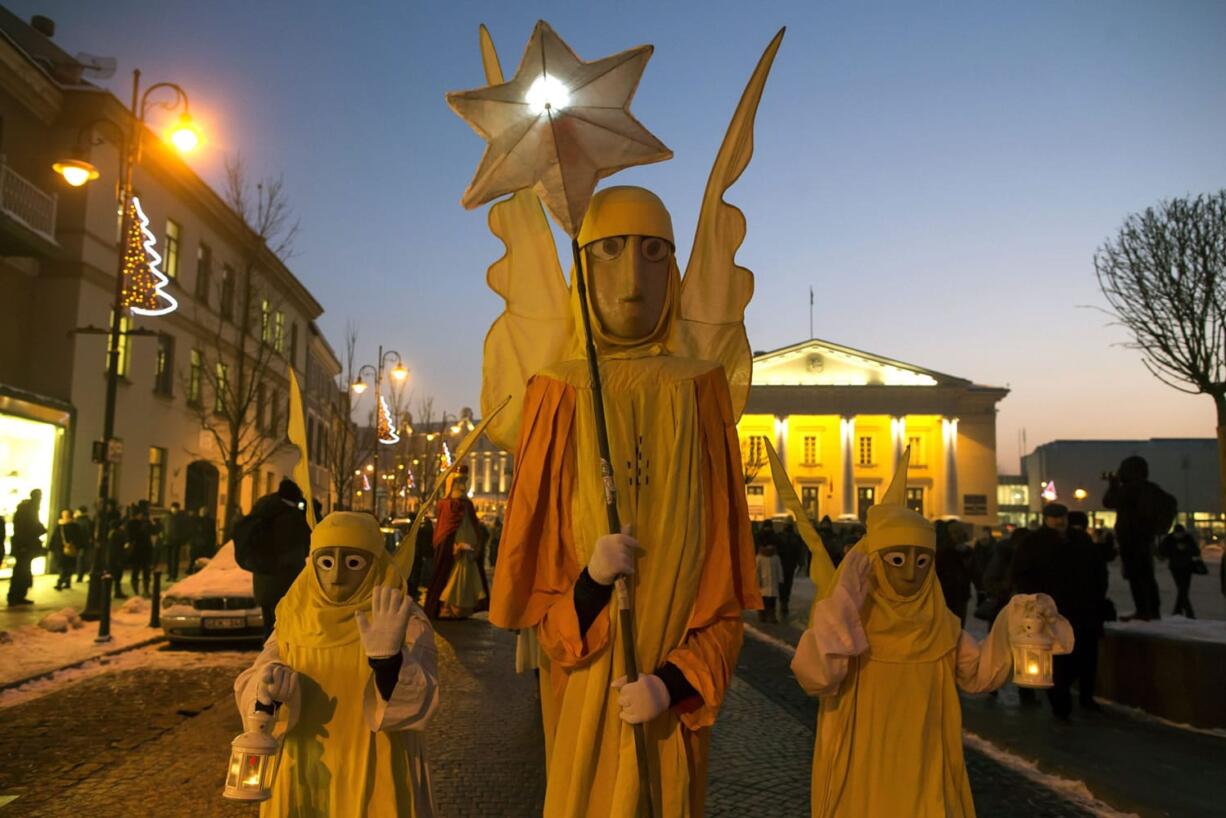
{"x": 399, "y": 373}
{"x": 77, "y": 172}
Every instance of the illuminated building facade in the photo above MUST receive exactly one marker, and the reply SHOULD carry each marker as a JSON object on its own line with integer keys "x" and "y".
{"x": 841, "y": 417}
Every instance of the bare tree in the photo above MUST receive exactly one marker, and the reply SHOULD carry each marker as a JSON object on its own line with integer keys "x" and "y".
{"x": 348, "y": 450}
{"x": 244, "y": 415}
{"x": 753, "y": 457}
{"x": 1164, "y": 277}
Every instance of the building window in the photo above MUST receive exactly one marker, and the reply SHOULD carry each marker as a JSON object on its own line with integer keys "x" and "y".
{"x": 278, "y": 334}
{"x": 265, "y": 321}
{"x": 813, "y": 451}
{"x": 756, "y": 449}
{"x": 866, "y": 496}
{"x": 755, "y": 491}
{"x": 866, "y": 450}
{"x": 809, "y": 499}
{"x": 227, "y": 292}
{"x": 204, "y": 272}
{"x": 170, "y": 259}
{"x": 916, "y": 443}
{"x": 219, "y": 389}
{"x": 915, "y": 499}
{"x": 293, "y": 343}
{"x": 194, "y": 377}
{"x": 157, "y": 476}
{"x": 974, "y": 505}
{"x": 163, "y": 379}
{"x": 125, "y": 346}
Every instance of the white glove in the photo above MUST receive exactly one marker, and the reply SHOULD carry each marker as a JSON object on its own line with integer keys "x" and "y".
{"x": 853, "y": 576}
{"x": 383, "y": 630}
{"x": 1046, "y": 608}
{"x": 278, "y": 684}
{"x": 613, "y": 557}
{"x": 641, "y": 700}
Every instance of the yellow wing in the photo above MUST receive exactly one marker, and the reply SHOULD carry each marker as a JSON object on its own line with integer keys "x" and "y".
{"x": 821, "y": 567}
{"x": 534, "y": 329}
{"x": 403, "y": 558}
{"x": 715, "y": 289}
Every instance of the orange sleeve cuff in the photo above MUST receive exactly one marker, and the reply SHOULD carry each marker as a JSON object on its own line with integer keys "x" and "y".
{"x": 560, "y": 637}
{"x": 707, "y": 659}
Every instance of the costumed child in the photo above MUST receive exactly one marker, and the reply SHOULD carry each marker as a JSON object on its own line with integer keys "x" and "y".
{"x": 770, "y": 576}
{"x": 350, "y": 669}
{"x": 887, "y": 658}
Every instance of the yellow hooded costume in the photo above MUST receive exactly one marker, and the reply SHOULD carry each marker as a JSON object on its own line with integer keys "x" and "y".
{"x": 345, "y": 750}
{"x": 678, "y": 474}
{"x": 889, "y": 727}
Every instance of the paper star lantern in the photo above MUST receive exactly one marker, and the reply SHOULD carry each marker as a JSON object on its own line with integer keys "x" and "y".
{"x": 558, "y": 126}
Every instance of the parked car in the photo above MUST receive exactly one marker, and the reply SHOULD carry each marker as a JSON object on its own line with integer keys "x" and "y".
{"x": 215, "y": 603}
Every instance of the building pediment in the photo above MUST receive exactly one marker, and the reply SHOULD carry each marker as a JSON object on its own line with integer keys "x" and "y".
{"x": 822, "y": 363}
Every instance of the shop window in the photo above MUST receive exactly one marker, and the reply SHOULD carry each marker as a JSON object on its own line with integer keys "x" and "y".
{"x": 226, "y": 306}
{"x": 204, "y": 272}
{"x": 918, "y": 455}
{"x": 755, "y": 491}
{"x": 866, "y": 496}
{"x": 156, "y": 492}
{"x": 125, "y": 345}
{"x": 915, "y": 499}
{"x": 194, "y": 377}
{"x": 170, "y": 258}
{"x": 866, "y": 450}
{"x": 163, "y": 379}
{"x": 813, "y": 451}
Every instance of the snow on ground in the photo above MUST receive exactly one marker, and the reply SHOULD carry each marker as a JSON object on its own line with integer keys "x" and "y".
{"x": 1075, "y": 791}
{"x": 150, "y": 656}
{"x": 1173, "y": 627}
{"x": 31, "y": 650}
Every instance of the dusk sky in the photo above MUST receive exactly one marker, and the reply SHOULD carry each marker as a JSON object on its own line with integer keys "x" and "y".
{"x": 940, "y": 174}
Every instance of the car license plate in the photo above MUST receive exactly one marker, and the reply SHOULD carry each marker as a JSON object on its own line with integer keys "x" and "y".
{"x": 217, "y": 623}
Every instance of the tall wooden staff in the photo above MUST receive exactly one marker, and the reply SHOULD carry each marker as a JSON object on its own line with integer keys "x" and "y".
{"x": 557, "y": 129}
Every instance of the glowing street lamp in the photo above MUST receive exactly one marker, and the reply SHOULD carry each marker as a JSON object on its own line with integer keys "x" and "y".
{"x": 358, "y": 386}
{"x": 76, "y": 172}
{"x": 185, "y": 136}
{"x": 1079, "y": 494}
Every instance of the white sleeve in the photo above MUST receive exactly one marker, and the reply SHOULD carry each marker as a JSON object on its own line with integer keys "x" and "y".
{"x": 415, "y": 697}
{"x": 248, "y": 681}
{"x": 835, "y": 634}
{"x": 985, "y": 666}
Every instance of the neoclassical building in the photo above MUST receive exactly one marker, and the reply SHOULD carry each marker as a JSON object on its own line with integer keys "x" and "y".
{"x": 840, "y": 418}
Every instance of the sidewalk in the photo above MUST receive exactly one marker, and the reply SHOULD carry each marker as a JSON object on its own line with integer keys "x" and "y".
{"x": 1132, "y": 762}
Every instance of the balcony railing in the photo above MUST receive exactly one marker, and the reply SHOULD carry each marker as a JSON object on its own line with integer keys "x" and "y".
{"x": 22, "y": 201}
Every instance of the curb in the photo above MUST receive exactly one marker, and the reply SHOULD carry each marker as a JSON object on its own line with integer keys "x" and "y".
{"x": 113, "y": 652}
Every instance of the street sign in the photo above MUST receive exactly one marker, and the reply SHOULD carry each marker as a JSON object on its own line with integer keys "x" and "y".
{"x": 114, "y": 450}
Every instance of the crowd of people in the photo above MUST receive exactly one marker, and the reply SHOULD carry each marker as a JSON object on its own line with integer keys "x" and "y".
{"x": 133, "y": 540}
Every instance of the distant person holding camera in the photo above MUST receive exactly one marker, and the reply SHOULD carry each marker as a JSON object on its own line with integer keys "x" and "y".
{"x": 1144, "y": 512}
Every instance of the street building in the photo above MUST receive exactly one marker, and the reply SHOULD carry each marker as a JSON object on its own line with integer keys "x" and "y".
{"x": 193, "y": 382}
{"x": 841, "y": 417}
{"x": 1072, "y": 472}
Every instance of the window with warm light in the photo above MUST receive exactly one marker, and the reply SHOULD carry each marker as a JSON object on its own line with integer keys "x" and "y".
{"x": 170, "y": 258}
{"x": 265, "y": 321}
{"x": 918, "y": 455}
{"x": 915, "y": 499}
{"x": 125, "y": 345}
{"x": 278, "y": 333}
{"x": 809, "y": 498}
{"x": 163, "y": 376}
{"x": 293, "y": 343}
{"x": 156, "y": 489}
{"x": 813, "y": 451}
{"x": 194, "y": 377}
{"x": 866, "y": 450}
{"x": 222, "y": 374}
{"x": 866, "y": 497}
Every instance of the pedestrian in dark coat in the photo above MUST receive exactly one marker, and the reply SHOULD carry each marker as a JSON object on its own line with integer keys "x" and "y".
{"x": 1134, "y": 499}
{"x": 791, "y": 555}
{"x": 117, "y": 553}
{"x": 980, "y": 557}
{"x": 178, "y": 534}
{"x": 85, "y": 552}
{"x": 954, "y": 567}
{"x": 27, "y": 543}
{"x": 140, "y": 548}
{"x": 284, "y": 533}
{"x": 1181, "y": 552}
{"x": 203, "y": 544}
{"x": 65, "y": 546}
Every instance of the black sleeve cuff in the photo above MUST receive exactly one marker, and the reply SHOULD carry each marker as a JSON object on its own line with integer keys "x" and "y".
{"x": 387, "y": 672}
{"x": 679, "y": 687}
{"x": 590, "y": 599}
{"x": 270, "y": 709}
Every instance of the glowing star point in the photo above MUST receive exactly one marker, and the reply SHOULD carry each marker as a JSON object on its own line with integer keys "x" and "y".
{"x": 547, "y": 94}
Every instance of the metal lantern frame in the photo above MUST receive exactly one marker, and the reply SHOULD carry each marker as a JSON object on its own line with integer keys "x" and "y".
{"x": 253, "y": 761}
{"x": 1032, "y": 652}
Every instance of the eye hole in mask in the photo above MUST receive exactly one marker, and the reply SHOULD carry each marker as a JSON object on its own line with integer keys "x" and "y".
{"x": 896, "y": 558}
{"x": 922, "y": 560}
{"x": 355, "y": 562}
{"x": 326, "y": 562}
{"x": 654, "y": 249}
{"x": 607, "y": 249}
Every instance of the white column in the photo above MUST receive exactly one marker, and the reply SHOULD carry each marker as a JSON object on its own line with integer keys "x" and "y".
{"x": 502, "y": 473}
{"x": 486, "y": 480}
{"x": 847, "y": 428}
{"x": 898, "y": 437}
{"x": 949, "y": 438}
{"x": 781, "y": 448}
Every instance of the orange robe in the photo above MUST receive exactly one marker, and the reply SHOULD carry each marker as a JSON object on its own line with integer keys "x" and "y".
{"x": 679, "y": 483}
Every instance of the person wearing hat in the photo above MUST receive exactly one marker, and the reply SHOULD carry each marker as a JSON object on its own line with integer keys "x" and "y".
{"x": 887, "y": 658}
{"x": 350, "y": 671}
{"x": 458, "y": 583}
{"x": 277, "y": 534}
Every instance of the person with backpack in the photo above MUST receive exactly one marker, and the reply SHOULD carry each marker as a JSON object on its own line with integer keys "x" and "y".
{"x": 272, "y": 543}
{"x": 1182, "y": 554}
{"x": 1144, "y": 512}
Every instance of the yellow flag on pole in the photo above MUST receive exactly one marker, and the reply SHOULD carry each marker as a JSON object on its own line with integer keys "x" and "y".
{"x": 297, "y": 436}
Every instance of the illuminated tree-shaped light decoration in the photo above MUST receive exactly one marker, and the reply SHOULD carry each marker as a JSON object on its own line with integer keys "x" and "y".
{"x": 144, "y": 285}
{"x": 387, "y": 429}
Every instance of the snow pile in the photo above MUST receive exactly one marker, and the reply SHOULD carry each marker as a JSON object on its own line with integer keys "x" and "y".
{"x": 62, "y": 621}
{"x": 33, "y": 650}
{"x": 135, "y": 605}
{"x": 1173, "y": 627}
{"x": 222, "y": 576}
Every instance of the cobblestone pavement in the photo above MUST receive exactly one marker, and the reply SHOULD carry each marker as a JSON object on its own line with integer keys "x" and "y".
{"x": 154, "y": 741}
